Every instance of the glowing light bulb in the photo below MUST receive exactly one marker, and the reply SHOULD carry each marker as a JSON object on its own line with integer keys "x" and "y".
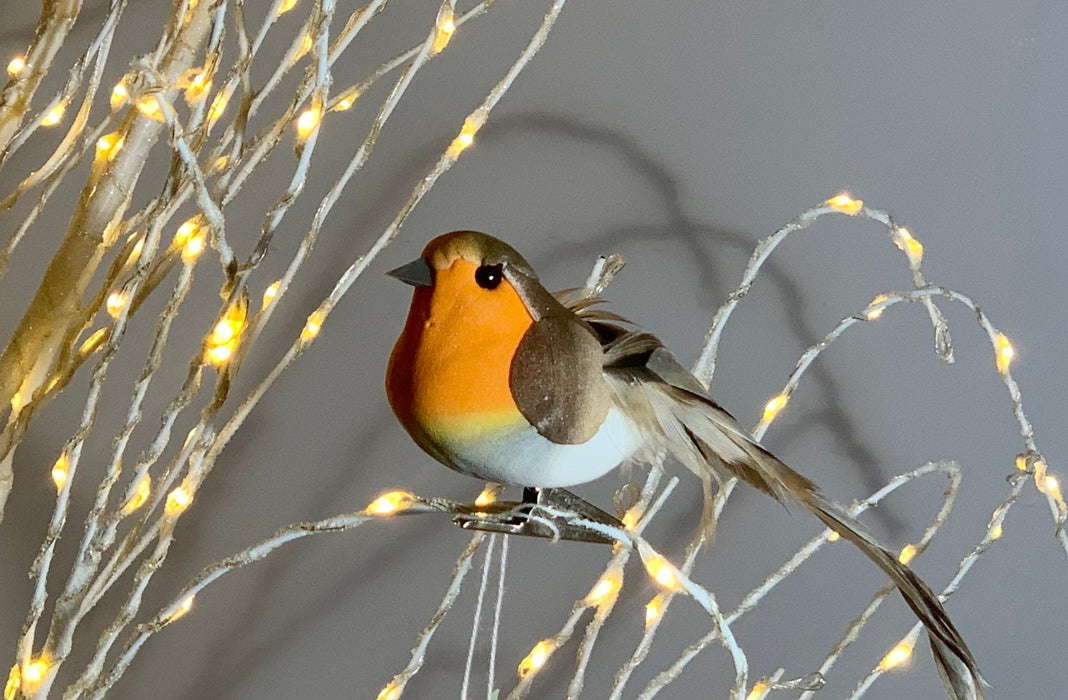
{"x": 135, "y": 253}
{"x": 230, "y": 327}
{"x": 488, "y": 495}
{"x": 14, "y": 682}
{"x": 774, "y": 405}
{"x": 1052, "y": 486}
{"x": 912, "y": 248}
{"x": 59, "y": 470}
{"x": 185, "y": 606}
{"x": 16, "y": 66}
{"x": 220, "y": 354}
{"x": 466, "y": 137}
{"x": 908, "y": 553}
{"x": 391, "y": 691}
{"x": 312, "y": 326}
{"x": 218, "y": 106}
{"x": 445, "y": 28}
{"x": 197, "y": 85}
{"x": 308, "y": 121}
{"x": 654, "y": 609}
{"x": 140, "y": 495}
{"x": 995, "y": 522}
{"x": 347, "y": 99}
{"x": 875, "y": 309}
{"x": 224, "y": 332}
{"x": 898, "y": 656}
{"x": 149, "y": 106}
{"x": 55, "y": 115}
{"x": 533, "y": 662}
{"x": 115, "y": 303}
{"x": 1003, "y": 353}
{"x": 223, "y": 339}
{"x": 485, "y": 498}
{"x": 108, "y": 145}
{"x": 34, "y": 673}
{"x": 662, "y": 572}
{"x": 186, "y": 231}
{"x": 606, "y": 588}
{"x": 390, "y": 503}
{"x": 193, "y": 247}
{"x": 178, "y": 500}
{"x": 759, "y": 691}
{"x": 833, "y": 537}
{"x": 285, "y": 7}
{"x": 271, "y": 292}
{"x": 119, "y": 95}
{"x": 844, "y": 203}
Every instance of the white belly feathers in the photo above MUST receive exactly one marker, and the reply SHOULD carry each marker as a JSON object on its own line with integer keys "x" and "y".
{"x": 526, "y": 458}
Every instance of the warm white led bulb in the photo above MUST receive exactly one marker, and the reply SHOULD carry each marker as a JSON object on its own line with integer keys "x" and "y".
{"x": 533, "y": 662}
{"x": 16, "y": 66}
{"x": 844, "y": 203}
{"x": 774, "y": 405}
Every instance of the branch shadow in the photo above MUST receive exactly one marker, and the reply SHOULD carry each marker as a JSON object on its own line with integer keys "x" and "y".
{"x": 695, "y": 235}
{"x": 233, "y": 659}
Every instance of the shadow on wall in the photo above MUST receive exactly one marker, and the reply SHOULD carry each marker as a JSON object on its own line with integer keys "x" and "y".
{"x": 679, "y": 225}
{"x": 230, "y": 651}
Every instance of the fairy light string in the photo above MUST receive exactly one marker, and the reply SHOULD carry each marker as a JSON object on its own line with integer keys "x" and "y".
{"x": 197, "y": 108}
{"x": 196, "y": 85}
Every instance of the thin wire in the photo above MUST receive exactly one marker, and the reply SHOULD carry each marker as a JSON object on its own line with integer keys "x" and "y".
{"x": 497, "y": 617}
{"x": 478, "y": 616}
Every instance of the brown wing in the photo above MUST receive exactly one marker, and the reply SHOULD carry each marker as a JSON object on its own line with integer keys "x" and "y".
{"x": 557, "y": 381}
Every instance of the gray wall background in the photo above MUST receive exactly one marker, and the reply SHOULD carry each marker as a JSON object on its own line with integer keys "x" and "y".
{"x": 677, "y": 134}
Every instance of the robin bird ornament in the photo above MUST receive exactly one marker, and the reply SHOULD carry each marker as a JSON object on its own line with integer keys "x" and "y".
{"x": 498, "y": 378}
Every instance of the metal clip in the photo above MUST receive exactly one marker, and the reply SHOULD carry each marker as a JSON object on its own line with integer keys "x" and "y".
{"x": 515, "y": 517}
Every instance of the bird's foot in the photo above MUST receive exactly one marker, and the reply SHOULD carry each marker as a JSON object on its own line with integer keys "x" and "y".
{"x": 550, "y": 513}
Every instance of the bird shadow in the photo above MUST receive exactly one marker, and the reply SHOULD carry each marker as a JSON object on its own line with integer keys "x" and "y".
{"x": 234, "y": 659}
{"x": 699, "y": 239}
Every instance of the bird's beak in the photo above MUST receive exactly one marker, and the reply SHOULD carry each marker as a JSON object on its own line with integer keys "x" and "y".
{"x": 416, "y": 273}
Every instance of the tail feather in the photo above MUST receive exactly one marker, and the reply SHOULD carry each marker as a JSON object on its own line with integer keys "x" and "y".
{"x": 956, "y": 666}
{"x": 703, "y": 436}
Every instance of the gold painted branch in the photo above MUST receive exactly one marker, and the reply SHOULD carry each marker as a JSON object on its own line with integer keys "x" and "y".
{"x": 57, "y": 17}
{"x": 28, "y": 357}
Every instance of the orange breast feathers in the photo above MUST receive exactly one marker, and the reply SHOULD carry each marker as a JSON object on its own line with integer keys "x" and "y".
{"x": 449, "y": 371}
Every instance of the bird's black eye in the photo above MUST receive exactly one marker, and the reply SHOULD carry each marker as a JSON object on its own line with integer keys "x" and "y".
{"x": 489, "y": 276}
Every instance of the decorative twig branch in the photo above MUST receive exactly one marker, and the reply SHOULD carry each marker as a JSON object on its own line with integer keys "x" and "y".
{"x": 114, "y": 256}
{"x": 27, "y": 359}
{"x": 207, "y": 171}
{"x": 57, "y": 17}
